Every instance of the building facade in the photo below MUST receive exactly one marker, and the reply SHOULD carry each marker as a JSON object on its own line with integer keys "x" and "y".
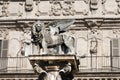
{"x": 96, "y": 31}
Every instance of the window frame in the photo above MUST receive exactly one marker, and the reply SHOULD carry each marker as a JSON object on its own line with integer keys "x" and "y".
{"x": 3, "y": 47}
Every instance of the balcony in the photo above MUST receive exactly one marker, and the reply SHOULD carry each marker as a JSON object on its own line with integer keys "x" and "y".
{"x": 15, "y": 65}
{"x": 91, "y": 64}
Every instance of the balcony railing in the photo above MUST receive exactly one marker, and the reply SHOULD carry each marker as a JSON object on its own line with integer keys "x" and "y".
{"x": 99, "y": 64}
{"x": 15, "y": 65}
{"x": 87, "y": 64}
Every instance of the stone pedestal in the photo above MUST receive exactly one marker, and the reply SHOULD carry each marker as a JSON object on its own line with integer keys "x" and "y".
{"x": 54, "y": 66}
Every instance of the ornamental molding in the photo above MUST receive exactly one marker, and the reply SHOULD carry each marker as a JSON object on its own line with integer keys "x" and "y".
{"x": 91, "y": 23}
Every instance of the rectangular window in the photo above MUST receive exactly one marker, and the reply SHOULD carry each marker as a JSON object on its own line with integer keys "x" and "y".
{"x": 115, "y": 53}
{"x": 3, "y": 48}
{"x": 115, "y": 47}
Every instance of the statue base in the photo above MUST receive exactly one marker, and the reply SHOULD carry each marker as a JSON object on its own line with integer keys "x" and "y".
{"x": 54, "y": 62}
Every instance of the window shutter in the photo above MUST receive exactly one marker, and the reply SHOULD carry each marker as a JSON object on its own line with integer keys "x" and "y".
{"x": 0, "y": 48}
{"x": 4, "y": 48}
{"x": 115, "y": 48}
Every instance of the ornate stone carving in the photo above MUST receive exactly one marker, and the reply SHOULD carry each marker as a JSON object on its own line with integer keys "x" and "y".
{"x": 118, "y": 10}
{"x": 93, "y": 45}
{"x": 62, "y": 8}
{"x": 8, "y": 10}
{"x": 93, "y": 42}
{"x": 116, "y": 32}
{"x": 94, "y": 35}
{"x": 68, "y": 8}
{"x": 60, "y": 75}
{"x": 29, "y": 5}
{"x": 3, "y": 33}
{"x": 93, "y": 5}
{"x": 56, "y": 7}
{"x": 57, "y": 67}
{"x": 5, "y": 9}
{"x": 90, "y": 23}
{"x": 53, "y": 37}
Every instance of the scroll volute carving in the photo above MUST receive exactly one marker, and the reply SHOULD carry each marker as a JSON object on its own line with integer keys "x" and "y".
{"x": 90, "y": 23}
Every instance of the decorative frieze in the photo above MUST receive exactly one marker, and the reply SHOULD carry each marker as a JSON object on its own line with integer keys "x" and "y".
{"x": 35, "y": 8}
{"x": 62, "y": 8}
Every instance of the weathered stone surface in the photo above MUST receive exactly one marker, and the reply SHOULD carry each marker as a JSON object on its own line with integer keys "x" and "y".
{"x": 94, "y": 19}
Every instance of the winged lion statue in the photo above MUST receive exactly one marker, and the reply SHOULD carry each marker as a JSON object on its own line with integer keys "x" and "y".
{"x": 54, "y": 36}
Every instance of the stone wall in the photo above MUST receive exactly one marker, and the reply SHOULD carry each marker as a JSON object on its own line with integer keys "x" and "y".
{"x": 96, "y": 24}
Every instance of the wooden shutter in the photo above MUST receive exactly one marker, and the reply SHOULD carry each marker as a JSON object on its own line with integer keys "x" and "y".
{"x": 3, "y": 48}
{"x": 0, "y": 48}
{"x": 115, "y": 49}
